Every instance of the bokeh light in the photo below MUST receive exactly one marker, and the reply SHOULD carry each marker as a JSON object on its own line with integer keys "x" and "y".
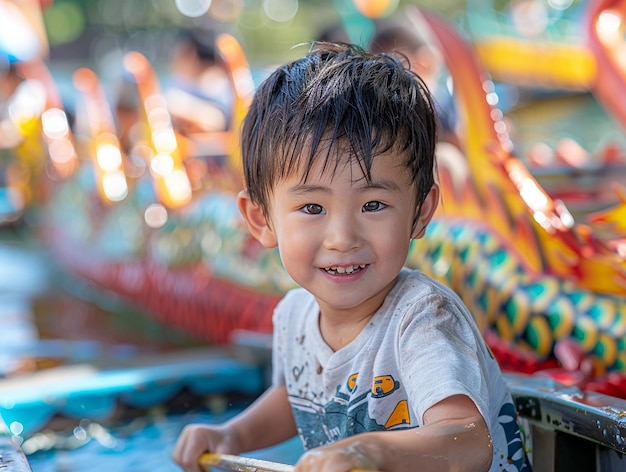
{"x": 608, "y": 27}
{"x": 560, "y": 4}
{"x": 28, "y": 102}
{"x": 155, "y": 215}
{"x": 280, "y": 10}
{"x": 114, "y": 186}
{"x": 109, "y": 157}
{"x": 16, "y": 428}
{"x": 226, "y": 10}
{"x": 162, "y": 164}
{"x": 178, "y": 186}
{"x": 55, "y": 124}
{"x": 193, "y": 8}
{"x": 65, "y": 22}
{"x": 376, "y": 8}
{"x": 18, "y": 41}
{"x": 530, "y": 17}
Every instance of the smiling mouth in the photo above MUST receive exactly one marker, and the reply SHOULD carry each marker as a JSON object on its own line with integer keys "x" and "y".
{"x": 347, "y": 270}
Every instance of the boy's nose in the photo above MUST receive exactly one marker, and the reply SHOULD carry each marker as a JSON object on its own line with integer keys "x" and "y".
{"x": 343, "y": 234}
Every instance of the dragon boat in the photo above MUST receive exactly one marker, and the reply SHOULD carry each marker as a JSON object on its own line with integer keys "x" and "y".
{"x": 156, "y": 223}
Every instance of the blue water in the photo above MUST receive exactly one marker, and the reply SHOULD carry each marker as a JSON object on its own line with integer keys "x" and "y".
{"x": 144, "y": 445}
{"x": 45, "y": 326}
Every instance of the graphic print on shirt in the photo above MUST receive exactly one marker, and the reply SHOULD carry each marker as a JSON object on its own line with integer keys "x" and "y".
{"x": 384, "y": 385}
{"x": 345, "y": 415}
{"x": 507, "y": 418}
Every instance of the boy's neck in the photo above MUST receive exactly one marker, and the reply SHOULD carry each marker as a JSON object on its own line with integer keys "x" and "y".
{"x": 339, "y": 327}
{"x": 338, "y": 332}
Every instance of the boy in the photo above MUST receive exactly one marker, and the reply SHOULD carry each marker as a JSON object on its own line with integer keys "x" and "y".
{"x": 374, "y": 366}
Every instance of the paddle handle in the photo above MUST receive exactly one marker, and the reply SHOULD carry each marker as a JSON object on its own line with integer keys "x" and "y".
{"x": 240, "y": 464}
{"x": 245, "y": 464}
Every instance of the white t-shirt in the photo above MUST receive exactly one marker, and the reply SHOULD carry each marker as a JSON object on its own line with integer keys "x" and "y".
{"x": 420, "y": 347}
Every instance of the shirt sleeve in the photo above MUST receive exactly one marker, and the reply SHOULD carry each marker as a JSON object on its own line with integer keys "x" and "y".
{"x": 441, "y": 355}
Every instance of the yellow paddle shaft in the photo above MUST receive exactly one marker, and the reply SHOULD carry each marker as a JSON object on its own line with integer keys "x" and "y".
{"x": 245, "y": 464}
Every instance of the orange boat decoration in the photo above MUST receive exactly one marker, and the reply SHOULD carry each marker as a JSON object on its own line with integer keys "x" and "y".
{"x": 548, "y": 292}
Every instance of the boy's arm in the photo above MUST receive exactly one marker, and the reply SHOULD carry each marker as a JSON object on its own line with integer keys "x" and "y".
{"x": 454, "y": 437}
{"x": 268, "y": 421}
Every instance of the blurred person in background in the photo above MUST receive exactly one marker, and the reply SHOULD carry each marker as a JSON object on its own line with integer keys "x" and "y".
{"x": 396, "y": 35}
{"x": 199, "y": 88}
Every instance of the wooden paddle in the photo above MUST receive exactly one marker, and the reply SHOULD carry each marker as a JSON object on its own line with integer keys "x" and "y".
{"x": 241, "y": 464}
{"x": 245, "y": 464}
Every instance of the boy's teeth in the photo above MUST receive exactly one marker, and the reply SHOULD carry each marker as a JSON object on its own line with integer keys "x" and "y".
{"x": 344, "y": 270}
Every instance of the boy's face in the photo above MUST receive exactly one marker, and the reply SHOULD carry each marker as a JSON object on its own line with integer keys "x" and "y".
{"x": 344, "y": 239}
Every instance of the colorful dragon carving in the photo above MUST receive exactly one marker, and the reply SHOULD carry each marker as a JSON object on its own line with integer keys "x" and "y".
{"x": 515, "y": 255}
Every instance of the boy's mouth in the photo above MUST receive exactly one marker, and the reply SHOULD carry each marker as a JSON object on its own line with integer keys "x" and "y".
{"x": 351, "y": 269}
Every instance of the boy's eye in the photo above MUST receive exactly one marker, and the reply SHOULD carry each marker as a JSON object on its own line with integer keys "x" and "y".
{"x": 373, "y": 206}
{"x": 313, "y": 209}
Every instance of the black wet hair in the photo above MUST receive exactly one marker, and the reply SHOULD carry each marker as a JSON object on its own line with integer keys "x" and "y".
{"x": 342, "y": 104}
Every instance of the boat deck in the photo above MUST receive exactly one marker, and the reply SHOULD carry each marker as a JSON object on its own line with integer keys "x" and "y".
{"x": 568, "y": 429}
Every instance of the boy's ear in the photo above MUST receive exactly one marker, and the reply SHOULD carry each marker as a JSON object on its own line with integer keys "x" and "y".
{"x": 427, "y": 211}
{"x": 256, "y": 221}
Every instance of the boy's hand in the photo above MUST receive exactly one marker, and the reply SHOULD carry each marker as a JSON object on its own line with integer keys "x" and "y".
{"x": 333, "y": 458}
{"x": 196, "y": 439}
{"x": 268, "y": 421}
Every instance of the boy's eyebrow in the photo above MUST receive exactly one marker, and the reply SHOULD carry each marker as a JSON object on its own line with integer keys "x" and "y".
{"x": 384, "y": 184}
{"x": 307, "y": 188}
